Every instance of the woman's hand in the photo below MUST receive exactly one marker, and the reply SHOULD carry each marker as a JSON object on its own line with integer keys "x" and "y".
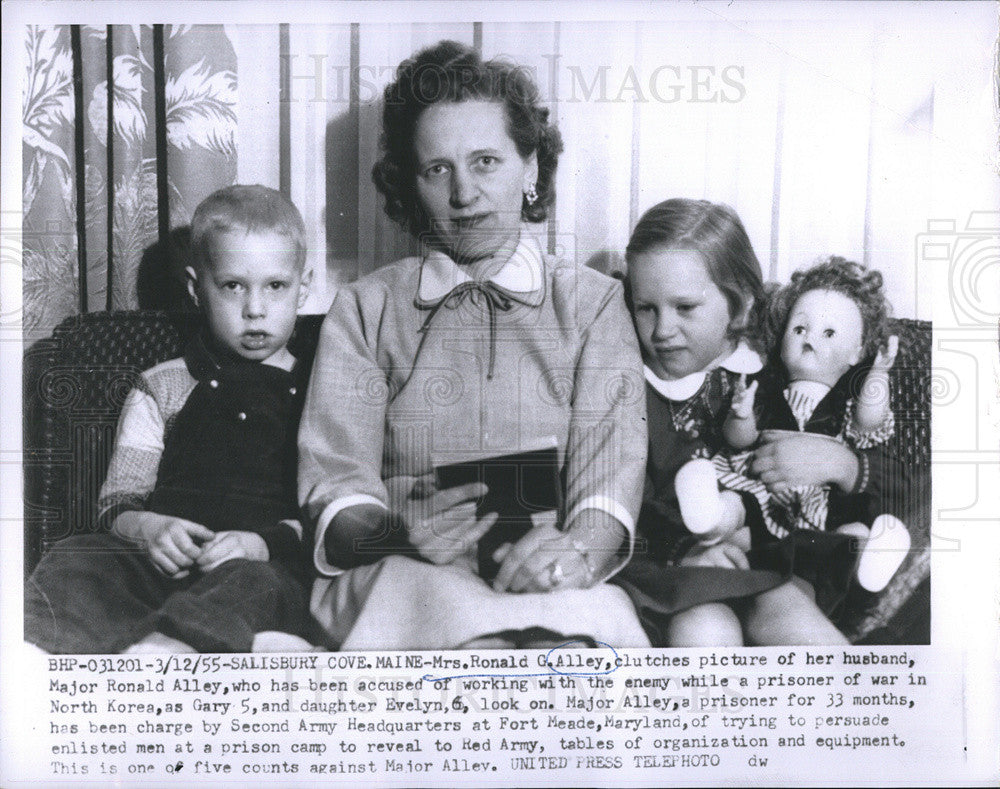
{"x": 440, "y": 524}
{"x": 722, "y": 554}
{"x": 792, "y": 459}
{"x": 546, "y": 559}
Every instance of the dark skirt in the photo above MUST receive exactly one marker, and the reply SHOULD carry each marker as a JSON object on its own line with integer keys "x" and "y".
{"x": 659, "y": 589}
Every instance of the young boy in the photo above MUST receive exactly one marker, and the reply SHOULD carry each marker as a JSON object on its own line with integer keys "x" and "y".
{"x": 205, "y": 550}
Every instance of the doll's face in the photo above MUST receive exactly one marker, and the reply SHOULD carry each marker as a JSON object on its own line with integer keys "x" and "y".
{"x": 823, "y": 337}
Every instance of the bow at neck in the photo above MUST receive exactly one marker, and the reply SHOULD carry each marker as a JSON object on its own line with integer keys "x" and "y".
{"x": 443, "y": 283}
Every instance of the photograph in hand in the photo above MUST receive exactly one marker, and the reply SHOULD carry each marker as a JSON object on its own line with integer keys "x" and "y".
{"x": 521, "y": 487}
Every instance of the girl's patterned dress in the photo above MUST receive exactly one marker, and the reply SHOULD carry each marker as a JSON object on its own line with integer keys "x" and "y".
{"x": 685, "y": 419}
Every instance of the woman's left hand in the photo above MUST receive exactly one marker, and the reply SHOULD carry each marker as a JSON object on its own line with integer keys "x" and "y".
{"x": 792, "y": 459}
{"x": 546, "y": 558}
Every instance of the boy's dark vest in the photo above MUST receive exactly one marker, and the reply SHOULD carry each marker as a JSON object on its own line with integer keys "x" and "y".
{"x": 229, "y": 460}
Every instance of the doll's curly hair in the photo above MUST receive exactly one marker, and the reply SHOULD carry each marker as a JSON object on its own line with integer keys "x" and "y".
{"x": 453, "y": 72}
{"x": 861, "y": 285}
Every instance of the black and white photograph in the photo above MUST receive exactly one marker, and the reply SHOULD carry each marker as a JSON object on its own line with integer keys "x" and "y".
{"x": 500, "y": 393}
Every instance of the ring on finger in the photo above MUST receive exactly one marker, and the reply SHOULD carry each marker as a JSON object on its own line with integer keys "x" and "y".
{"x": 556, "y": 574}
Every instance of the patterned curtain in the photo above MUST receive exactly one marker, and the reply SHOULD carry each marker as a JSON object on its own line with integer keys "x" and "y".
{"x": 49, "y": 241}
{"x": 103, "y": 189}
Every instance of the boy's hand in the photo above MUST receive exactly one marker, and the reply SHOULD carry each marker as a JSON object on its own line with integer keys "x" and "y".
{"x": 171, "y": 543}
{"x": 743, "y": 398}
{"x": 227, "y": 545}
{"x": 886, "y": 357}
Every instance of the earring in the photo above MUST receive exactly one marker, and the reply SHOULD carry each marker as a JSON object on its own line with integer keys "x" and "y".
{"x": 531, "y": 194}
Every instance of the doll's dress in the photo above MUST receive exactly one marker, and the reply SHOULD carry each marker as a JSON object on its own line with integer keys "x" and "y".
{"x": 793, "y": 528}
{"x": 805, "y": 406}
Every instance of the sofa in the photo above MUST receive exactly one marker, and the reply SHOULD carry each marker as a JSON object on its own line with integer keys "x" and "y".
{"x": 76, "y": 381}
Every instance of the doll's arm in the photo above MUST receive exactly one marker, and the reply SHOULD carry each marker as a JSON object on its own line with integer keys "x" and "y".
{"x": 740, "y": 427}
{"x": 872, "y": 416}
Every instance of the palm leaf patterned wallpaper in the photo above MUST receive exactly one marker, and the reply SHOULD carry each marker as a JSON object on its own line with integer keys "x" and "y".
{"x": 49, "y": 244}
{"x": 199, "y": 93}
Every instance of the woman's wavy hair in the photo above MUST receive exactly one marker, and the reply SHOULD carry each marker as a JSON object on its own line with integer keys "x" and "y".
{"x": 713, "y": 230}
{"x": 453, "y": 72}
{"x": 861, "y": 285}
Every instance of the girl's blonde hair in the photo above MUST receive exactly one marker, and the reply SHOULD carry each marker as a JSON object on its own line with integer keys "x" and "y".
{"x": 714, "y": 231}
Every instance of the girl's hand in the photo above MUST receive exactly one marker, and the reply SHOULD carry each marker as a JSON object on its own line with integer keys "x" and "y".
{"x": 227, "y": 545}
{"x": 792, "y": 459}
{"x": 440, "y": 524}
{"x": 723, "y": 554}
{"x": 743, "y": 398}
{"x": 172, "y": 544}
{"x": 886, "y": 357}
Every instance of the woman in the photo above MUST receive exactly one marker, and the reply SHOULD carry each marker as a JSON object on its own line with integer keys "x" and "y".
{"x": 483, "y": 346}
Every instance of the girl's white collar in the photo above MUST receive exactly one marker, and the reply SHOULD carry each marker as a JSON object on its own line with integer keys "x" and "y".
{"x": 743, "y": 359}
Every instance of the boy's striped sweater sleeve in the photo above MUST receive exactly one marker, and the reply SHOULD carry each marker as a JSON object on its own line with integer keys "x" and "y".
{"x": 158, "y": 395}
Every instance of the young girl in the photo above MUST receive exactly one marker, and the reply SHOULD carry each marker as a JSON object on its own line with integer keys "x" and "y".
{"x": 696, "y": 293}
{"x": 829, "y": 318}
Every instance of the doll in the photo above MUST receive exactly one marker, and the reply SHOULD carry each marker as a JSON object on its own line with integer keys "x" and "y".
{"x": 829, "y": 318}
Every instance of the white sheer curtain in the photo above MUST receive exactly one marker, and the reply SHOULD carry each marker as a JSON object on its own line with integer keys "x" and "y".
{"x": 844, "y": 138}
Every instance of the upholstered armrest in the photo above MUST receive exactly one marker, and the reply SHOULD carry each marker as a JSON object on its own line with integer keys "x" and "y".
{"x": 901, "y": 612}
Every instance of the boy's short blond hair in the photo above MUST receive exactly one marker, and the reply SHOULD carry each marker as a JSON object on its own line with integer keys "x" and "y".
{"x": 246, "y": 208}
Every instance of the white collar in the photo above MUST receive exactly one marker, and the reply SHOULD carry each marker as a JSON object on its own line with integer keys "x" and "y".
{"x": 812, "y": 390}
{"x": 523, "y": 273}
{"x": 282, "y": 359}
{"x": 743, "y": 359}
